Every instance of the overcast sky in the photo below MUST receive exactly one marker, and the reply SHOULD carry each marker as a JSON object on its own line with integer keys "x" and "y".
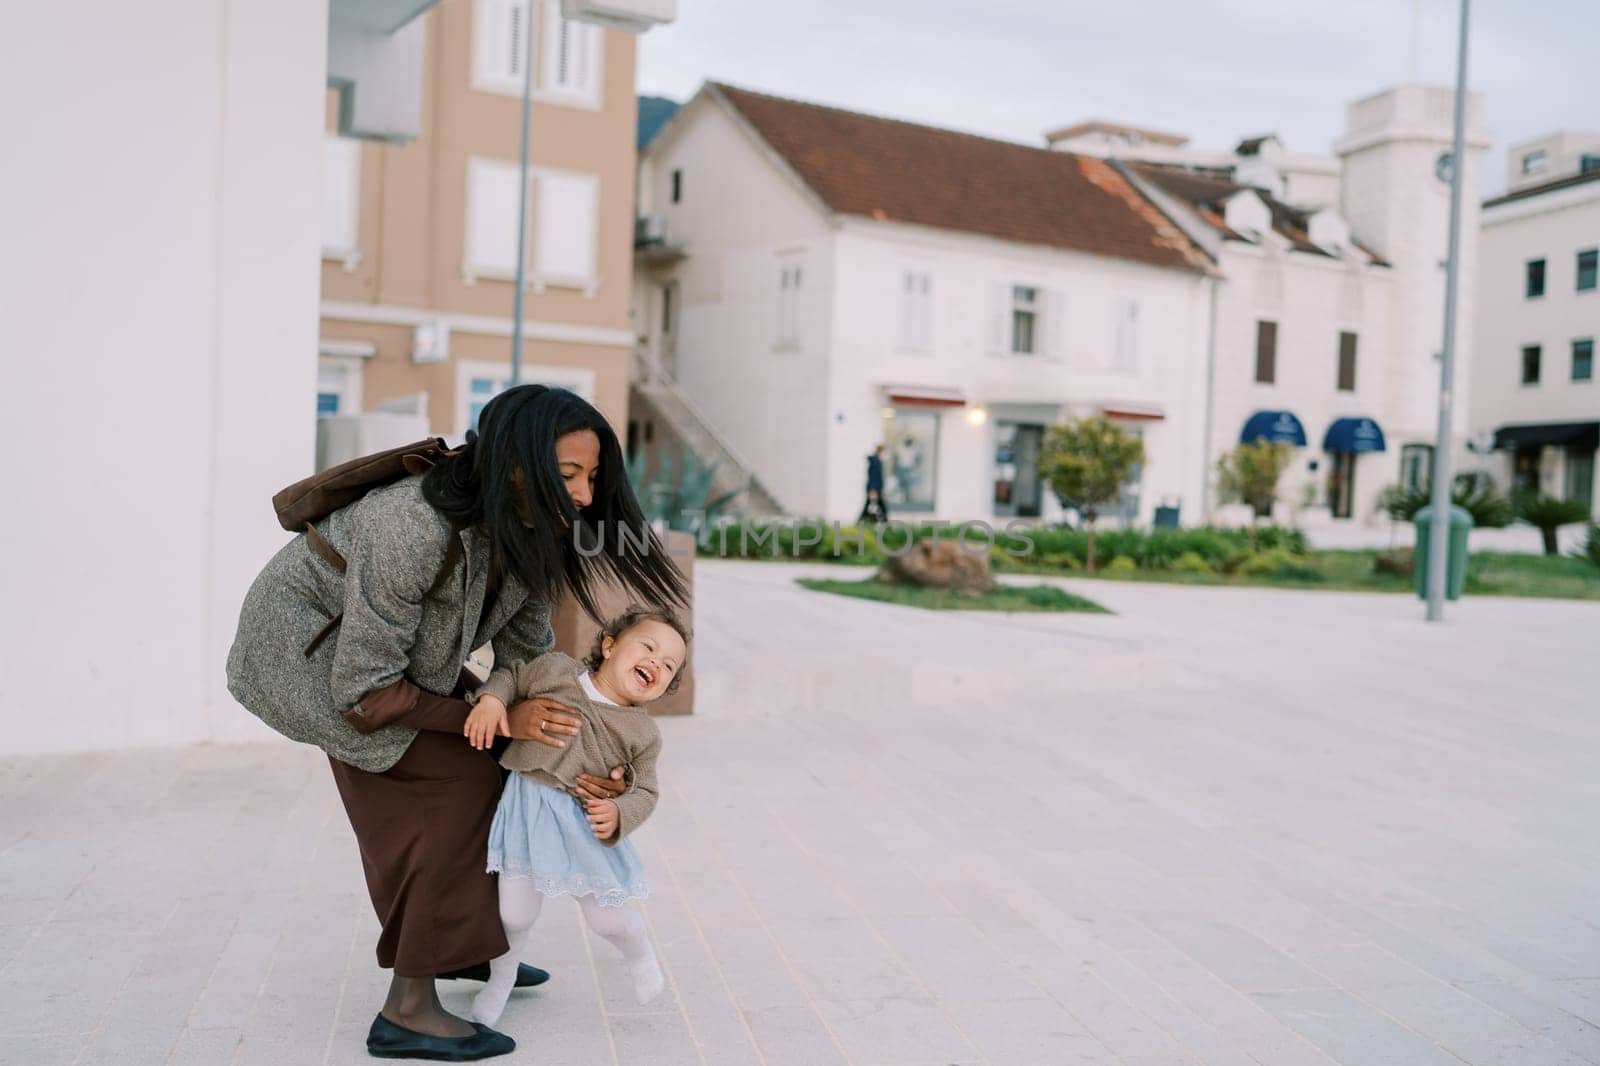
{"x": 1216, "y": 70}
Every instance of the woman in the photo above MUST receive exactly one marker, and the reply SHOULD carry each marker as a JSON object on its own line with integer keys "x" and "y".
{"x": 543, "y": 477}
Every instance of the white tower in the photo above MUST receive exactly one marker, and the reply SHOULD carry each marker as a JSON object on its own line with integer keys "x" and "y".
{"x": 1396, "y": 195}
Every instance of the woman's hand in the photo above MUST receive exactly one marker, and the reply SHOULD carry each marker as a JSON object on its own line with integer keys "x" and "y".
{"x": 487, "y": 721}
{"x": 603, "y": 818}
{"x": 591, "y": 788}
{"x": 543, "y": 720}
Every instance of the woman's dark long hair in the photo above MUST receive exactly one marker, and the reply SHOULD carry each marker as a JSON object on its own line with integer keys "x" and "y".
{"x": 508, "y": 469}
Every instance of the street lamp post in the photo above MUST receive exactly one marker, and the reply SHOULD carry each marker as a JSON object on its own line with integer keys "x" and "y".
{"x": 1439, "y": 532}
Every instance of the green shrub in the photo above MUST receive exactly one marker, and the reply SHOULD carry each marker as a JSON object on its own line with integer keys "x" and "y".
{"x": 1192, "y": 563}
{"x": 1061, "y": 561}
{"x": 1121, "y": 565}
{"x": 1549, "y": 514}
{"x": 1473, "y": 492}
{"x": 1590, "y": 548}
{"x": 1263, "y": 563}
{"x": 1279, "y": 563}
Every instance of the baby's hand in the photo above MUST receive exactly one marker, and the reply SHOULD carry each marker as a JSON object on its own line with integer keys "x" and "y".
{"x": 487, "y": 721}
{"x": 603, "y": 818}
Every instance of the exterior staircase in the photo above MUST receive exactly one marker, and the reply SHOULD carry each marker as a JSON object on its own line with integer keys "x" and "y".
{"x": 656, "y": 397}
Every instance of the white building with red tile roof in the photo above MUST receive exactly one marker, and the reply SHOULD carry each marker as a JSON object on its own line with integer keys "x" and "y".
{"x": 838, "y": 281}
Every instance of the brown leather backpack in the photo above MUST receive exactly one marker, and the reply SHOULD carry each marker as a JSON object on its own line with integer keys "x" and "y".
{"x": 314, "y": 498}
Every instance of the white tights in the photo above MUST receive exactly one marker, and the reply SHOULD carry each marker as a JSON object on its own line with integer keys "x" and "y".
{"x": 520, "y": 903}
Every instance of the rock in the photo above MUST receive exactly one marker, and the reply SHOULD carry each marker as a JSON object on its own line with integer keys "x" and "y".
{"x": 1399, "y": 561}
{"x": 941, "y": 564}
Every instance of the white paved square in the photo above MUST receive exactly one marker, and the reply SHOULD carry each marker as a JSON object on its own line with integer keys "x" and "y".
{"x": 1221, "y": 826}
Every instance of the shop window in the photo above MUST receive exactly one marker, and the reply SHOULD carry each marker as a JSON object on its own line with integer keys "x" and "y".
{"x": 911, "y": 448}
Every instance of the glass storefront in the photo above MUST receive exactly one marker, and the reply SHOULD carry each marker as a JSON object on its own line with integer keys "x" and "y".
{"x": 911, "y": 457}
{"x": 1017, "y": 488}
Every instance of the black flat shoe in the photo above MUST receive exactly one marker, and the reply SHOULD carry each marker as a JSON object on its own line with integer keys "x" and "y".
{"x": 386, "y": 1040}
{"x": 527, "y": 976}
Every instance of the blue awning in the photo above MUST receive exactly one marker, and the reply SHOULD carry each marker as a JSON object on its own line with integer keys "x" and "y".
{"x": 1354, "y": 436}
{"x": 1275, "y": 426}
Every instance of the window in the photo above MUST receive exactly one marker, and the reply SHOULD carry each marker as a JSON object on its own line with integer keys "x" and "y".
{"x": 1266, "y": 352}
{"x": 677, "y": 186}
{"x": 1127, "y": 354}
{"x": 916, "y": 311}
{"x": 1534, "y": 285}
{"x": 1588, "y": 164}
{"x": 570, "y": 68}
{"x": 1416, "y": 466}
{"x": 789, "y": 279}
{"x": 1588, "y": 262}
{"x": 911, "y": 454}
{"x": 1534, "y": 162}
{"x": 667, "y": 292}
{"x": 338, "y": 388}
{"x": 566, "y": 216}
{"x": 1583, "y": 360}
{"x": 564, "y": 209}
{"x": 1530, "y": 364}
{"x": 1347, "y": 362}
{"x": 341, "y": 199}
{"x": 479, "y": 382}
{"x": 492, "y": 206}
{"x": 569, "y": 53}
{"x": 479, "y": 393}
{"x": 500, "y": 45}
{"x": 1024, "y": 318}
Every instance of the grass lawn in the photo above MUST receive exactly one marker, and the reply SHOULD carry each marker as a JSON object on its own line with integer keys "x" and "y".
{"x": 1002, "y": 598}
{"x": 1488, "y": 574}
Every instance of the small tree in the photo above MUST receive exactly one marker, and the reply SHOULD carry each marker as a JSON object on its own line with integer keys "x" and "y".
{"x": 1249, "y": 474}
{"x": 1087, "y": 462}
{"x": 1550, "y": 513}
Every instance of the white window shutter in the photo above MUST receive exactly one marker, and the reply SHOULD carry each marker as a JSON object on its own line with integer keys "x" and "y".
{"x": 908, "y": 310}
{"x": 491, "y": 240}
{"x": 1055, "y": 323}
{"x": 500, "y": 43}
{"x": 341, "y": 197}
{"x": 999, "y": 318}
{"x": 571, "y": 55}
{"x": 1127, "y": 335}
{"x": 925, "y": 311}
{"x": 567, "y": 218}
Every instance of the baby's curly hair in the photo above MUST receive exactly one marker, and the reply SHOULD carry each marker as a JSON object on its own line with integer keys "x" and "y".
{"x": 631, "y": 617}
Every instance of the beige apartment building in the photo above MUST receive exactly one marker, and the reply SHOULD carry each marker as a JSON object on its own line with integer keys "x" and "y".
{"x": 420, "y": 241}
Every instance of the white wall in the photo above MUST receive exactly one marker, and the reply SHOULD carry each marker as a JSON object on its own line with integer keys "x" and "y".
{"x": 1075, "y": 372}
{"x": 1553, "y": 227}
{"x": 160, "y": 346}
{"x": 1312, "y": 299}
{"x": 740, "y": 221}
{"x": 1396, "y": 205}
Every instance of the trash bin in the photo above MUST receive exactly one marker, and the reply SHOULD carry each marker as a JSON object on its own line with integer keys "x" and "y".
{"x": 1455, "y": 568}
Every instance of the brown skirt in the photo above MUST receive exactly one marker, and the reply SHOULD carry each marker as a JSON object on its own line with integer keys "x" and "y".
{"x": 423, "y": 829}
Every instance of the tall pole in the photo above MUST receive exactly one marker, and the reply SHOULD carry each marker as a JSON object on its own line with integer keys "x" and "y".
{"x": 522, "y": 197}
{"x": 1439, "y": 534}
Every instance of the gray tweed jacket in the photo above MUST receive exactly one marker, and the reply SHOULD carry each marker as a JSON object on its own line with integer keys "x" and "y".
{"x": 394, "y": 542}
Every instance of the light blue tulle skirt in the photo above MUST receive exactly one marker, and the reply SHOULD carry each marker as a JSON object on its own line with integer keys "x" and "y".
{"x": 542, "y": 834}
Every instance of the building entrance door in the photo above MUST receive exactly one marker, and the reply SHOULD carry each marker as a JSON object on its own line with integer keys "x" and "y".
{"x": 1525, "y": 471}
{"x": 1342, "y": 484}
{"x": 1017, "y": 489}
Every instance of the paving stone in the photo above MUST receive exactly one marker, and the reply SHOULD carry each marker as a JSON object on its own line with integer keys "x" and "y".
{"x": 1220, "y": 827}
